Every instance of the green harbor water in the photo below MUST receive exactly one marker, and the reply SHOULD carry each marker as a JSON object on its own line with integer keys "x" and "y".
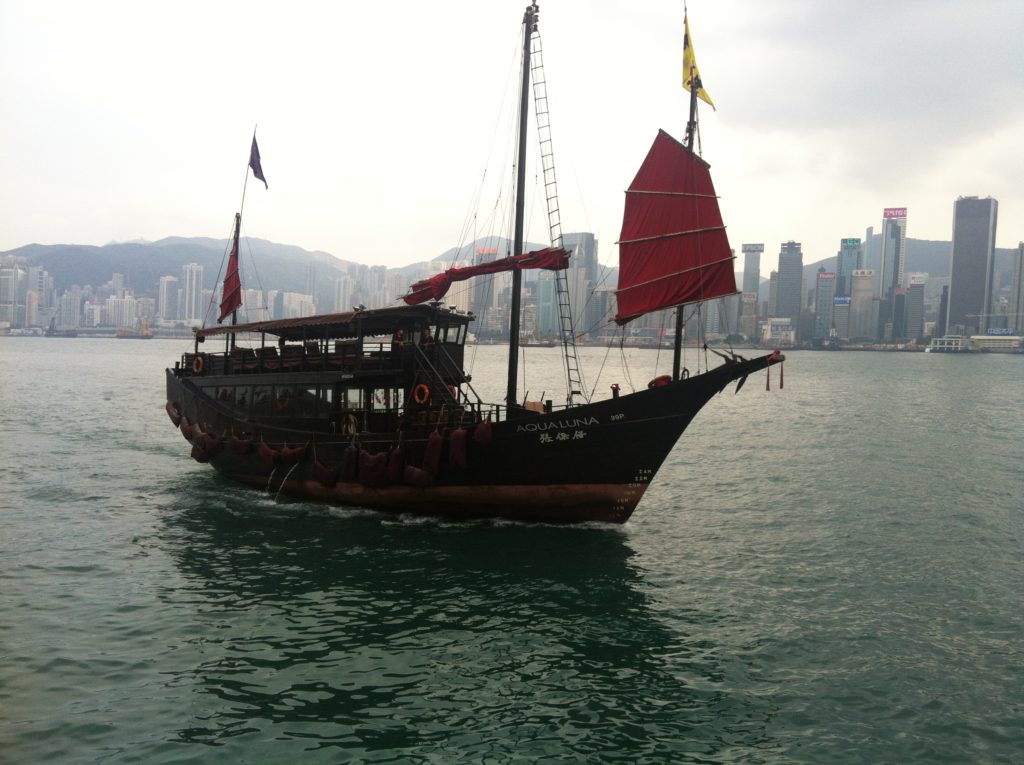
{"x": 828, "y": 573}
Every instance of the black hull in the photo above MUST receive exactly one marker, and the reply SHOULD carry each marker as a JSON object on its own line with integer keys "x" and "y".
{"x": 587, "y": 463}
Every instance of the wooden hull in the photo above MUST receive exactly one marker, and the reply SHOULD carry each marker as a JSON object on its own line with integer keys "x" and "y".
{"x": 587, "y": 463}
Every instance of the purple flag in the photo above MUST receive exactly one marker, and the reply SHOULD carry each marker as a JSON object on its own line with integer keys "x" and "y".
{"x": 254, "y": 162}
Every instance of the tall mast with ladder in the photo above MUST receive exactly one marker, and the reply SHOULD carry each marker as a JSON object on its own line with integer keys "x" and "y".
{"x": 529, "y": 26}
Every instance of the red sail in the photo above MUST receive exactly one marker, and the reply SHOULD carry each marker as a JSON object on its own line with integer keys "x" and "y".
{"x": 232, "y": 293}
{"x": 435, "y": 288}
{"x": 673, "y": 248}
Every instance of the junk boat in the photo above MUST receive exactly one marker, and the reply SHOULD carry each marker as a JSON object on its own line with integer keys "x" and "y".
{"x": 374, "y": 408}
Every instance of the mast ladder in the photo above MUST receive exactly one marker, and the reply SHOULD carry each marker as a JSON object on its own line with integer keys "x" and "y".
{"x": 573, "y": 377}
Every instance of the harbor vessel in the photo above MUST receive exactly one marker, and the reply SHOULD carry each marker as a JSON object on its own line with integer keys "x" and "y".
{"x": 374, "y": 408}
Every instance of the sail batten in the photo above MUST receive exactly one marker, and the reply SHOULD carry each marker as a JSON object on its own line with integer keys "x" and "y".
{"x": 670, "y": 235}
{"x": 673, "y": 248}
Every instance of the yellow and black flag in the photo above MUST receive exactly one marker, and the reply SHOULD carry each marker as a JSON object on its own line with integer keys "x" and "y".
{"x": 691, "y": 75}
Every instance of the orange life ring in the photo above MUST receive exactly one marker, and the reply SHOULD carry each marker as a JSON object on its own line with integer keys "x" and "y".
{"x": 198, "y": 363}
{"x": 421, "y": 394}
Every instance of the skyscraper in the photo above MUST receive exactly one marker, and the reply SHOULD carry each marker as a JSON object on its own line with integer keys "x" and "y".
{"x": 894, "y": 248}
{"x": 863, "y": 305}
{"x": 167, "y": 299}
{"x": 1017, "y": 292}
{"x": 824, "y": 297}
{"x": 191, "y": 308}
{"x": 752, "y": 267}
{"x": 789, "y": 299}
{"x": 848, "y": 259}
{"x": 914, "y": 328}
{"x": 970, "y": 273}
{"x": 582, "y": 278}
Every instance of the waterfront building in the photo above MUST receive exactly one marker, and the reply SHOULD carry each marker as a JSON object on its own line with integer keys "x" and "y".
{"x": 752, "y": 267}
{"x": 899, "y": 315}
{"x": 841, "y": 316}
{"x": 119, "y": 311}
{"x": 971, "y": 267}
{"x": 1016, "y": 309}
{"x": 848, "y": 259}
{"x": 940, "y": 322}
{"x": 778, "y": 331}
{"x": 254, "y": 306}
{"x": 167, "y": 298}
{"x": 191, "y": 308}
{"x": 69, "y": 309}
{"x": 13, "y": 283}
{"x": 914, "y": 326}
{"x": 748, "y": 314}
{"x": 789, "y": 297}
{"x": 824, "y": 300}
{"x": 582, "y": 278}
{"x": 483, "y": 289}
{"x": 894, "y": 249}
{"x": 547, "y": 305}
{"x": 863, "y": 305}
{"x": 773, "y": 292}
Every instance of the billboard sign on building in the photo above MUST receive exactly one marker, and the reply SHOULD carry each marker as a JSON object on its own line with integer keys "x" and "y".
{"x": 863, "y": 272}
{"x": 841, "y": 301}
{"x": 851, "y": 242}
{"x": 753, "y": 248}
{"x": 826, "y": 275}
{"x": 894, "y": 212}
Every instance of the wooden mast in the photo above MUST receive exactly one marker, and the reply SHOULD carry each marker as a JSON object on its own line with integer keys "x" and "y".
{"x": 691, "y": 130}
{"x": 529, "y": 26}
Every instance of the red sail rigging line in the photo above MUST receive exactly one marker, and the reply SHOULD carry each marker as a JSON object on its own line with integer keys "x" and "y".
{"x": 673, "y": 248}
{"x": 436, "y": 287}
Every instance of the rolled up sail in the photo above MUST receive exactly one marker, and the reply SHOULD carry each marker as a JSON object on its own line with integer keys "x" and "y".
{"x": 436, "y": 287}
{"x": 673, "y": 248}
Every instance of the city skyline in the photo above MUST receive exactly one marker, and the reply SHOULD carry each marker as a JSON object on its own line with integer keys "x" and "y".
{"x": 108, "y": 148}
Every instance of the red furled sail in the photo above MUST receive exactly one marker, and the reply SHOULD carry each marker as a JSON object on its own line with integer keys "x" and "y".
{"x": 436, "y": 287}
{"x": 673, "y": 248}
{"x": 231, "y": 298}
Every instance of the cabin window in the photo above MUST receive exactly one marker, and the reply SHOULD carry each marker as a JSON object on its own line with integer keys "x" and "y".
{"x": 352, "y": 398}
{"x": 261, "y": 400}
{"x": 383, "y": 399}
{"x": 324, "y": 401}
{"x": 284, "y": 400}
{"x": 309, "y": 401}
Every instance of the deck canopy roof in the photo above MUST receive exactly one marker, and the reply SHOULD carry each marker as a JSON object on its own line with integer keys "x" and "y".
{"x": 379, "y": 321}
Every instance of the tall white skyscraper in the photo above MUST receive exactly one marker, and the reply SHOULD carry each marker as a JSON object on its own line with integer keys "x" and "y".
{"x": 191, "y": 308}
{"x": 167, "y": 299}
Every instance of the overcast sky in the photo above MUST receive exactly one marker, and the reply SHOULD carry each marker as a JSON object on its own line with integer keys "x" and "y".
{"x": 385, "y": 126}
